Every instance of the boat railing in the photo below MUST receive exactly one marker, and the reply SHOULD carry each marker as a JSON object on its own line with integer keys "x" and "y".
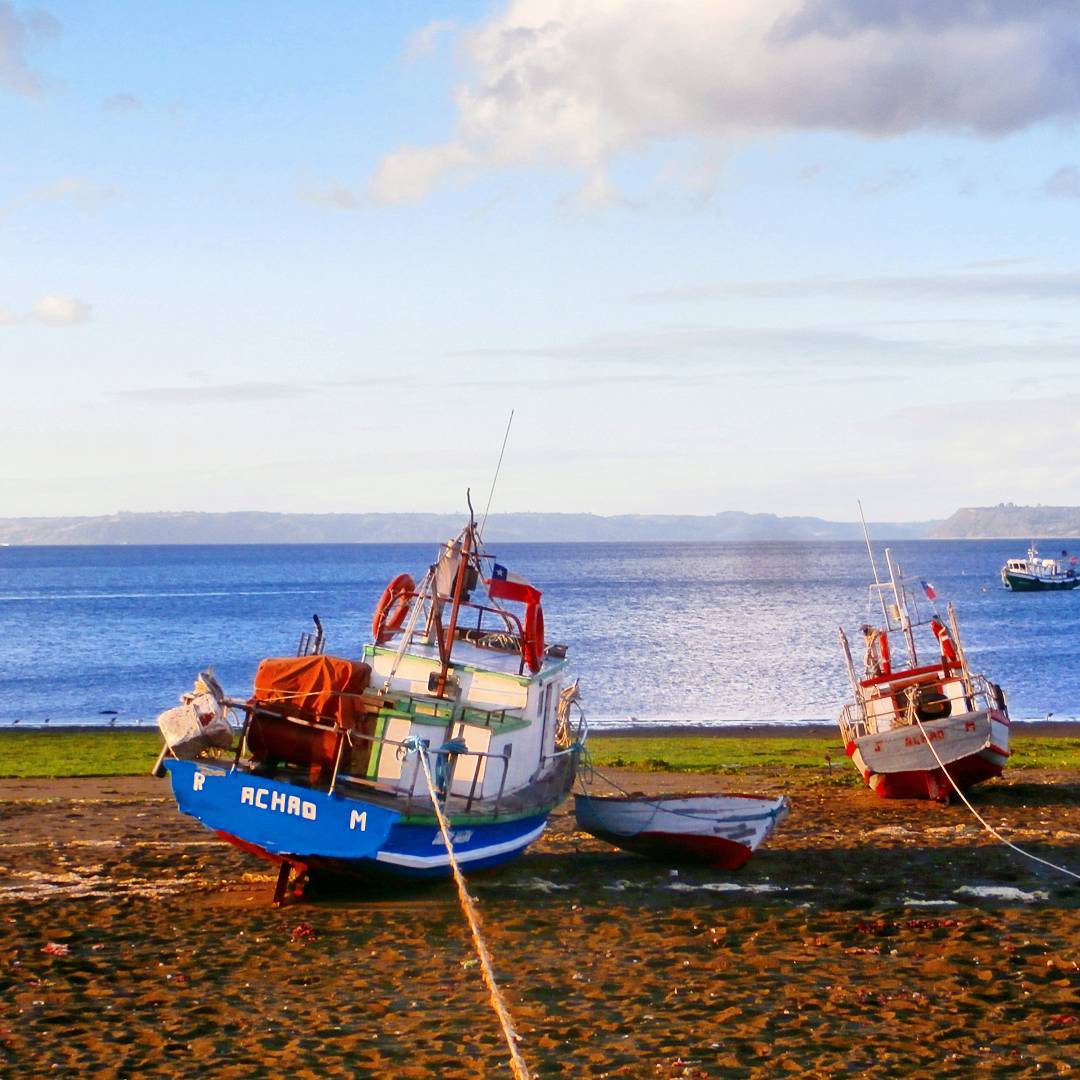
{"x": 444, "y": 777}
{"x": 312, "y": 642}
{"x": 973, "y": 693}
{"x": 421, "y": 706}
{"x": 348, "y": 737}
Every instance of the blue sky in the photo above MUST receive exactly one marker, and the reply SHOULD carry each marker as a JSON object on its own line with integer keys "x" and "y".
{"x": 741, "y": 256}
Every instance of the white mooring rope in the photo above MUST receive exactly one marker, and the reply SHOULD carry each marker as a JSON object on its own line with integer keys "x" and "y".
{"x": 517, "y": 1062}
{"x": 982, "y": 821}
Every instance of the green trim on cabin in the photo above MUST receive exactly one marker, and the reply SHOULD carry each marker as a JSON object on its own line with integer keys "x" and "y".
{"x": 477, "y": 819}
{"x": 453, "y": 716}
{"x": 376, "y": 749}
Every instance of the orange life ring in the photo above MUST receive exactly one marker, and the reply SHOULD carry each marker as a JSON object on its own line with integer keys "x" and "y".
{"x": 948, "y": 649}
{"x": 532, "y": 639}
{"x": 392, "y": 608}
{"x": 883, "y": 652}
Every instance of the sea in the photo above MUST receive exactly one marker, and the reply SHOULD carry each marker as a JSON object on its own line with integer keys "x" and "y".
{"x": 689, "y": 634}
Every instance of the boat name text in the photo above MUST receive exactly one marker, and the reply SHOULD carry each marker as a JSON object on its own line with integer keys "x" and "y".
{"x": 918, "y": 740}
{"x": 461, "y": 837}
{"x": 278, "y": 801}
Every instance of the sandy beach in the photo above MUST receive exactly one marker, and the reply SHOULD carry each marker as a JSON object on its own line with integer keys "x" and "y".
{"x": 866, "y": 937}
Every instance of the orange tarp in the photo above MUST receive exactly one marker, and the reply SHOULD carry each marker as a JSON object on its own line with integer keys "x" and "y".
{"x": 312, "y": 686}
{"x": 316, "y": 689}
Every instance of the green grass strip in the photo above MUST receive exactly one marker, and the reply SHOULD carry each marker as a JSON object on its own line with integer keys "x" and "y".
{"x": 704, "y": 754}
{"x": 26, "y": 754}
{"x": 55, "y": 753}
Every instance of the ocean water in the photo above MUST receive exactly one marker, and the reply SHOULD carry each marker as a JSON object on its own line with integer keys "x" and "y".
{"x": 693, "y": 633}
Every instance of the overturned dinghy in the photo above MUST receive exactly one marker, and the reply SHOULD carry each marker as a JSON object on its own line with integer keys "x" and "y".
{"x": 722, "y": 831}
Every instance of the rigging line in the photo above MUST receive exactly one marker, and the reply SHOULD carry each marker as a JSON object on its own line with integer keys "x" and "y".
{"x": 981, "y": 820}
{"x": 517, "y": 1062}
{"x": 495, "y": 478}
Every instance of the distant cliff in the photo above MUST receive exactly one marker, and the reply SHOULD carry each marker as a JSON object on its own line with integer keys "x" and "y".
{"x": 1007, "y": 520}
{"x": 267, "y": 528}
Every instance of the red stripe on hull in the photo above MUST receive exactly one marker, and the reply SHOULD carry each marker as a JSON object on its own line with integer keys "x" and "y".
{"x": 715, "y": 851}
{"x": 932, "y": 783}
{"x": 254, "y": 849}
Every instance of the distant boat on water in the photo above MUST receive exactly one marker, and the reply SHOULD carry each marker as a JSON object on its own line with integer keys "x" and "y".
{"x": 1034, "y": 574}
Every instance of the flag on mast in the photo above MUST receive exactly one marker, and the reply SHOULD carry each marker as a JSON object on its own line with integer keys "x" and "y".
{"x": 928, "y": 588}
{"x": 502, "y": 585}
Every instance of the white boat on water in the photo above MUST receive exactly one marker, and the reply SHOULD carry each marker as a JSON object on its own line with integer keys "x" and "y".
{"x": 1035, "y": 574}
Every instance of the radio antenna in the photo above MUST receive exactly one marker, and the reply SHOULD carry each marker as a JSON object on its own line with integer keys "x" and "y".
{"x": 495, "y": 478}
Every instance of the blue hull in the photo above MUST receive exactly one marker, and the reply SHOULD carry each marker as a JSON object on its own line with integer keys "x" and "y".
{"x": 343, "y": 835}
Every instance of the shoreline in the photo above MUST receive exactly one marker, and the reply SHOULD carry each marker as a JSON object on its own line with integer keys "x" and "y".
{"x": 765, "y": 729}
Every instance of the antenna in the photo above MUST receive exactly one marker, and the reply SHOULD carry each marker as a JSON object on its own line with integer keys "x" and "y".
{"x": 495, "y": 478}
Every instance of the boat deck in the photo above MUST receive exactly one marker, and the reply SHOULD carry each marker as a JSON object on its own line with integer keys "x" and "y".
{"x": 541, "y": 794}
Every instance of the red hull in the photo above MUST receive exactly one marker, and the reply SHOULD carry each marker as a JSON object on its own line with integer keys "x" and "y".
{"x": 932, "y": 783}
{"x": 713, "y": 851}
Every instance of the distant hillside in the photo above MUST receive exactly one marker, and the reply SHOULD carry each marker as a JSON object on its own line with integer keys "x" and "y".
{"x": 1007, "y": 520}
{"x": 266, "y": 528}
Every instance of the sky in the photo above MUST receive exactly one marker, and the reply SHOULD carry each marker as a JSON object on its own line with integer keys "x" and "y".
{"x": 740, "y": 256}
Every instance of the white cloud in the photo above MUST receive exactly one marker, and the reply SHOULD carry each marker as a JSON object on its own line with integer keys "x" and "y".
{"x": 17, "y": 34}
{"x": 58, "y": 310}
{"x": 124, "y": 102}
{"x": 53, "y": 309}
{"x": 329, "y": 196}
{"x": 1064, "y": 184}
{"x": 571, "y": 84}
{"x": 83, "y": 192}
{"x": 411, "y": 173}
{"x": 425, "y": 40}
{"x": 1029, "y": 285}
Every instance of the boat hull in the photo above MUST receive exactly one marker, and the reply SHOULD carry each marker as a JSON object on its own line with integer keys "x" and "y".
{"x": 345, "y": 836}
{"x": 1031, "y": 583}
{"x": 719, "y": 831}
{"x": 900, "y": 764}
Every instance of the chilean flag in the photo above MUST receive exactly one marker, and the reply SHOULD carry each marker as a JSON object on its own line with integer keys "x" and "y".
{"x": 931, "y": 592}
{"x": 502, "y": 585}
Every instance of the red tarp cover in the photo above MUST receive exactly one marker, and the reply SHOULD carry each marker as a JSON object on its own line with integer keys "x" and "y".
{"x": 310, "y": 687}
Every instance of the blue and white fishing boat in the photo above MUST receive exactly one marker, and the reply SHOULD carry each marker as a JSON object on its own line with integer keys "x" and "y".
{"x": 325, "y": 773}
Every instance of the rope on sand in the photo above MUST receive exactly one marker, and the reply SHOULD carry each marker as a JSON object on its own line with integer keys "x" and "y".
{"x": 981, "y": 820}
{"x": 517, "y": 1062}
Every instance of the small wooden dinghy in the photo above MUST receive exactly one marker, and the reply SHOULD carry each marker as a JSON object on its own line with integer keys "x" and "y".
{"x": 720, "y": 830}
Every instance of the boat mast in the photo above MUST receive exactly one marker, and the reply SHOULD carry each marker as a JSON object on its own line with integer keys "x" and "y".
{"x": 459, "y": 588}
{"x": 901, "y": 607}
{"x": 873, "y": 565}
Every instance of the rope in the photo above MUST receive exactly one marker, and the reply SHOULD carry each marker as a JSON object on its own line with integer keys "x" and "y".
{"x": 981, "y": 820}
{"x": 517, "y": 1062}
{"x": 410, "y": 626}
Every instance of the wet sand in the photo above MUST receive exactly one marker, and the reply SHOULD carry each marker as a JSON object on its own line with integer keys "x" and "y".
{"x": 867, "y": 938}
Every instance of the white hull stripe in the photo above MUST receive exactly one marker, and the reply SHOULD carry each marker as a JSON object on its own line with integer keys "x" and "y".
{"x": 443, "y": 859}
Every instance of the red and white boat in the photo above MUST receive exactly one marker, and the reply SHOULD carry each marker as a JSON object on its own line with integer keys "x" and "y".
{"x": 916, "y": 721}
{"x": 720, "y": 830}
